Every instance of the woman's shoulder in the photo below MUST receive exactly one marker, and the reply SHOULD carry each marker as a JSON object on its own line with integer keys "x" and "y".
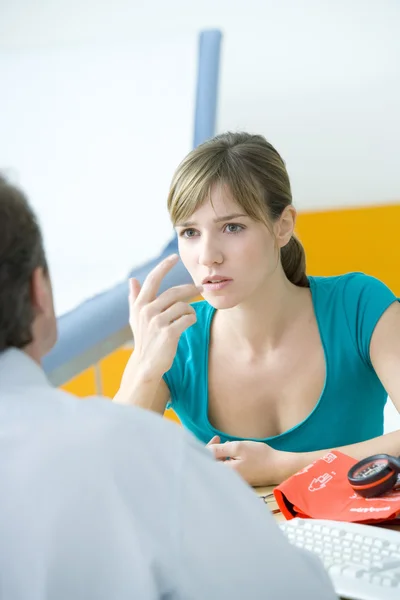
{"x": 349, "y": 285}
{"x": 354, "y": 302}
{"x": 191, "y": 352}
{"x": 197, "y": 335}
{"x": 336, "y": 280}
{"x": 204, "y": 311}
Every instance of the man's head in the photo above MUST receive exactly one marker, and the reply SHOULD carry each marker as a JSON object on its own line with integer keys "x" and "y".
{"x": 27, "y": 318}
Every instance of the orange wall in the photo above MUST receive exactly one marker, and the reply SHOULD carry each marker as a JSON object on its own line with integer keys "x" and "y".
{"x": 357, "y": 239}
{"x": 111, "y": 369}
{"x": 336, "y": 241}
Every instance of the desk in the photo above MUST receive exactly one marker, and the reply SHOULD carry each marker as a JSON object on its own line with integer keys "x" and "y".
{"x": 269, "y": 499}
{"x": 267, "y": 494}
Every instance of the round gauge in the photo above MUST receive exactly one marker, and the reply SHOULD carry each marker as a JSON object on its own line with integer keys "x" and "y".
{"x": 370, "y": 469}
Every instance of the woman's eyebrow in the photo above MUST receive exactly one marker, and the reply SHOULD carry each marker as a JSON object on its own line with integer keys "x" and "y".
{"x": 216, "y": 220}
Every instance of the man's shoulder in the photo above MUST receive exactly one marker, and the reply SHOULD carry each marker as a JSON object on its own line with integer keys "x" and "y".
{"x": 119, "y": 445}
{"x": 102, "y": 417}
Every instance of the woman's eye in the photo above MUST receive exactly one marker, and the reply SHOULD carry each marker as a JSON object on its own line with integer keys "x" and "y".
{"x": 188, "y": 233}
{"x": 233, "y": 228}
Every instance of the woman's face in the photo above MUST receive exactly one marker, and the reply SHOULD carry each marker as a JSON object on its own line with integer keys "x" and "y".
{"x": 226, "y": 251}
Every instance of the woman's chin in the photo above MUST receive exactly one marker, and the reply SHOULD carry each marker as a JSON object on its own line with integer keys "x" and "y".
{"x": 219, "y": 301}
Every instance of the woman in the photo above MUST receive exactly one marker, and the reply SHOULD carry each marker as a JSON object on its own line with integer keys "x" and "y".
{"x": 273, "y": 368}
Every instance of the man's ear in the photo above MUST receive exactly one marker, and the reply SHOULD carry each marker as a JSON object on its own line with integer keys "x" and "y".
{"x": 41, "y": 296}
{"x": 284, "y": 226}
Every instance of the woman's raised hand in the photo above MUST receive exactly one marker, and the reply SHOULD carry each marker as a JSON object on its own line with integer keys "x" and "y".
{"x": 157, "y": 322}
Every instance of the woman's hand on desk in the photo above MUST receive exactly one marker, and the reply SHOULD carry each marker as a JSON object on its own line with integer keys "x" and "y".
{"x": 256, "y": 462}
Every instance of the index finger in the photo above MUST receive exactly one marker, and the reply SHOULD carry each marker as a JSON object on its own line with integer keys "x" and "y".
{"x": 153, "y": 280}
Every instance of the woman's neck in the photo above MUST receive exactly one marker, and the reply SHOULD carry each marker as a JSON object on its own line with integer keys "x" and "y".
{"x": 259, "y": 324}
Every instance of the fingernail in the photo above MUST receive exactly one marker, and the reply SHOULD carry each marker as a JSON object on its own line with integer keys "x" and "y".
{"x": 173, "y": 257}
{"x": 200, "y": 288}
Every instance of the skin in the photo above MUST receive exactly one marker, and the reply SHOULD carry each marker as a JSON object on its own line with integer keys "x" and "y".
{"x": 277, "y": 363}
{"x": 44, "y": 325}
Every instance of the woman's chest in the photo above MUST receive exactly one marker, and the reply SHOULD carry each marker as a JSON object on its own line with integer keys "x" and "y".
{"x": 264, "y": 398}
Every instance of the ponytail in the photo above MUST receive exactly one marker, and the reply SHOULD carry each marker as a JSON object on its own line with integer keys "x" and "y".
{"x": 293, "y": 260}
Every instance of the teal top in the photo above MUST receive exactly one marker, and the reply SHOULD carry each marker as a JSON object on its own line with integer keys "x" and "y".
{"x": 350, "y": 409}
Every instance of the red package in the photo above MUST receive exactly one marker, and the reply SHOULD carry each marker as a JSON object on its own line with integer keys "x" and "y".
{"x": 322, "y": 491}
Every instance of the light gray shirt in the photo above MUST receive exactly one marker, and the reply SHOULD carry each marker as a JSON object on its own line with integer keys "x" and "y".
{"x": 105, "y": 502}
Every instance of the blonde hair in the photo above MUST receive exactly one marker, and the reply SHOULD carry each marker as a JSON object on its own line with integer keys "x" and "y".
{"x": 255, "y": 175}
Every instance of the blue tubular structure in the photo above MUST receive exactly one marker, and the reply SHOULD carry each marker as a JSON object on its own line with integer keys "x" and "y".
{"x": 207, "y": 85}
{"x": 100, "y": 325}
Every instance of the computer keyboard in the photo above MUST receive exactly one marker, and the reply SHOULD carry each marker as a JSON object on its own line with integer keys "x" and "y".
{"x": 363, "y": 561}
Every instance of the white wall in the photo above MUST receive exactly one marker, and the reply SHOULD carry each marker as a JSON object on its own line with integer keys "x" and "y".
{"x": 320, "y": 79}
{"x": 84, "y": 129}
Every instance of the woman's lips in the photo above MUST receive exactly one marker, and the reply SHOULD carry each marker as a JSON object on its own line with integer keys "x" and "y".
{"x": 214, "y": 284}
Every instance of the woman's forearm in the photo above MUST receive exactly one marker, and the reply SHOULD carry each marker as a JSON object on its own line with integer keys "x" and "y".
{"x": 140, "y": 388}
{"x": 384, "y": 444}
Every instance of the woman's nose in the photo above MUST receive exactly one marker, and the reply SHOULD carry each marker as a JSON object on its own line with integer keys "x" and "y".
{"x": 210, "y": 254}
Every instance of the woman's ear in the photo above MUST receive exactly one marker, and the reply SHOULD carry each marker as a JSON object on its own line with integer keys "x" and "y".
{"x": 284, "y": 226}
